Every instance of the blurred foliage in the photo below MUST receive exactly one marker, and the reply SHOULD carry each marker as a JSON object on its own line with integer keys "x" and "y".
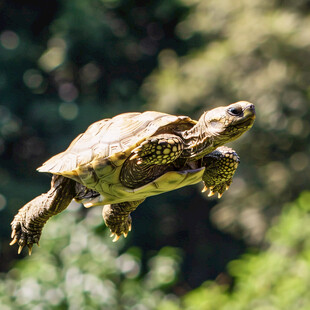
{"x": 79, "y": 268}
{"x": 66, "y": 64}
{"x": 275, "y": 278}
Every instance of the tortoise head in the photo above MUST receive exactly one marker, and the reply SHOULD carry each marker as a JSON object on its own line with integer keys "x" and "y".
{"x": 228, "y": 123}
{"x": 217, "y": 127}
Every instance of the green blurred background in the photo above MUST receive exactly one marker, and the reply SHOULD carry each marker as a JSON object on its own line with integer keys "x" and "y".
{"x": 65, "y": 64}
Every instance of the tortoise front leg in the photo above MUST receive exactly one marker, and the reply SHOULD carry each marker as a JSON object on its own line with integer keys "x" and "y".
{"x": 28, "y": 223}
{"x": 117, "y": 217}
{"x": 158, "y": 150}
{"x": 221, "y": 166}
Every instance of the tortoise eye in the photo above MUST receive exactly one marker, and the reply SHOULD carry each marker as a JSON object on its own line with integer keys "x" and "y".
{"x": 235, "y": 111}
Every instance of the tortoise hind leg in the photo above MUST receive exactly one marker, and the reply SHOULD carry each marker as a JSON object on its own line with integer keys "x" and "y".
{"x": 117, "y": 217}
{"x": 221, "y": 166}
{"x": 28, "y": 223}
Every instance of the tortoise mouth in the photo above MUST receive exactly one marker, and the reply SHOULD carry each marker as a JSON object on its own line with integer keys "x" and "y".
{"x": 249, "y": 111}
{"x": 248, "y": 118}
{"x": 248, "y": 122}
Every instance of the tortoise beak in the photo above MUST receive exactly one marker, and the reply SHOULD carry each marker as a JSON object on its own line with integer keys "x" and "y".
{"x": 249, "y": 111}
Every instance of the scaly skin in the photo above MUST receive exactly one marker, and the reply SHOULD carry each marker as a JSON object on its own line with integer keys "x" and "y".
{"x": 158, "y": 150}
{"x": 117, "y": 217}
{"x": 221, "y": 166}
{"x": 28, "y": 223}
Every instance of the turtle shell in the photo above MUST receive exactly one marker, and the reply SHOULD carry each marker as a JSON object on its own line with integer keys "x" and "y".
{"x": 95, "y": 157}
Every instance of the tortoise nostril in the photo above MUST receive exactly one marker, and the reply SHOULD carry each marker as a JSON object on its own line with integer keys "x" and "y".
{"x": 252, "y": 107}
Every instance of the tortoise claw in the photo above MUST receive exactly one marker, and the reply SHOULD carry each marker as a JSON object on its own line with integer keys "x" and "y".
{"x": 205, "y": 188}
{"x": 13, "y": 233}
{"x": 220, "y": 190}
{"x": 211, "y": 193}
{"x": 14, "y": 240}
{"x": 20, "y": 249}
{"x": 134, "y": 156}
{"x": 29, "y": 249}
{"x": 22, "y": 234}
{"x": 115, "y": 238}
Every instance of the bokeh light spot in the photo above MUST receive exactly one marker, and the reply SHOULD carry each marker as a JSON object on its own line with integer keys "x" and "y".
{"x": 33, "y": 78}
{"x": 90, "y": 73}
{"x": 9, "y": 40}
{"x": 68, "y": 110}
{"x": 277, "y": 175}
{"x": 299, "y": 161}
{"x": 68, "y": 92}
{"x": 128, "y": 265}
{"x": 54, "y": 56}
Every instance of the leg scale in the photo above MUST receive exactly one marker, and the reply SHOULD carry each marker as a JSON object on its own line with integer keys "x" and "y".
{"x": 158, "y": 150}
{"x": 221, "y": 166}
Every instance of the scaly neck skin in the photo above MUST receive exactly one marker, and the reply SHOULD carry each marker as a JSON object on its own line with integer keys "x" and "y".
{"x": 198, "y": 141}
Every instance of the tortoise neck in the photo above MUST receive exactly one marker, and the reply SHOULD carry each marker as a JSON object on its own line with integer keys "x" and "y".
{"x": 198, "y": 141}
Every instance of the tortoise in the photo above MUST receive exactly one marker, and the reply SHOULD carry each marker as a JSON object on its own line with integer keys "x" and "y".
{"x": 119, "y": 162}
